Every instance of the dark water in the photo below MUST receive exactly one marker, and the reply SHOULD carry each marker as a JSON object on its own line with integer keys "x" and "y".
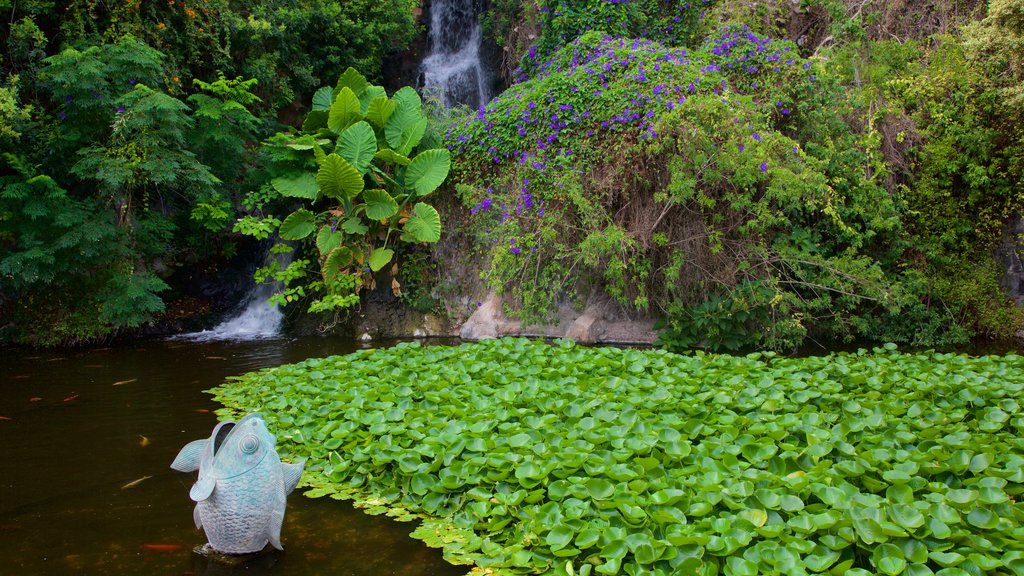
{"x": 77, "y": 428}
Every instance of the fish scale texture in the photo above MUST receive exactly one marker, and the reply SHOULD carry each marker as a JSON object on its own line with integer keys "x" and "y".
{"x": 236, "y": 517}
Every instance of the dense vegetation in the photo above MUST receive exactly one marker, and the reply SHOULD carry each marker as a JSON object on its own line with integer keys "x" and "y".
{"x": 530, "y": 458}
{"x": 850, "y": 181}
{"x": 130, "y": 142}
{"x": 754, "y": 176}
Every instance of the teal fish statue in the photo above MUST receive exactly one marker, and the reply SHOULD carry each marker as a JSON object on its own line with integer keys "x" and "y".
{"x": 242, "y": 485}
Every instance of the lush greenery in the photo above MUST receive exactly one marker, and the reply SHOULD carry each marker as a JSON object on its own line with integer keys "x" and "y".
{"x": 354, "y": 134}
{"x": 525, "y": 457}
{"x": 751, "y": 191}
{"x": 754, "y": 175}
{"x": 130, "y": 141}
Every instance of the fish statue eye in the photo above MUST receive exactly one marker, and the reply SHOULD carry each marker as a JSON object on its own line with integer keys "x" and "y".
{"x": 250, "y": 443}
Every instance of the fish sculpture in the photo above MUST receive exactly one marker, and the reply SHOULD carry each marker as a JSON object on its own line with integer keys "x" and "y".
{"x": 242, "y": 485}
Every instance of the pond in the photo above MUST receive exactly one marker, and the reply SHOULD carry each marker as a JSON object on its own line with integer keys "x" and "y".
{"x": 88, "y": 437}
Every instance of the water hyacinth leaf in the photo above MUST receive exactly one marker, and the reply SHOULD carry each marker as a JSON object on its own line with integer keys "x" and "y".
{"x": 301, "y": 185}
{"x": 736, "y": 566}
{"x": 889, "y": 559}
{"x": 323, "y": 98}
{"x": 297, "y": 225}
{"x": 919, "y": 570}
{"x": 380, "y": 110}
{"x": 344, "y": 112}
{"x": 379, "y": 258}
{"x": 559, "y": 537}
{"x": 353, "y": 80}
{"x": 357, "y": 145}
{"x": 379, "y": 204}
{"x": 424, "y": 224}
{"x": 338, "y": 179}
{"x": 983, "y": 518}
{"x": 389, "y": 156}
{"x": 327, "y": 239}
{"x": 600, "y": 489}
{"x": 906, "y": 516}
{"x": 428, "y": 170}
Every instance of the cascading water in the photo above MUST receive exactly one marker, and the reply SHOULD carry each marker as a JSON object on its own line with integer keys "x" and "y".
{"x": 256, "y": 317}
{"x": 452, "y": 66}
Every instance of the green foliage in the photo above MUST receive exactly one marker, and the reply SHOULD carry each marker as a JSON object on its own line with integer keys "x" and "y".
{"x": 668, "y": 22}
{"x": 86, "y": 84}
{"x": 13, "y": 115}
{"x": 224, "y": 127}
{"x": 68, "y": 263}
{"x": 714, "y": 187}
{"x": 362, "y": 186}
{"x": 558, "y": 459}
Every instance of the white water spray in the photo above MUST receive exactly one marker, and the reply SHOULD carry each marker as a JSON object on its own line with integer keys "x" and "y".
{"x": 453, "y": 66}
{"x": 256, "y": 318}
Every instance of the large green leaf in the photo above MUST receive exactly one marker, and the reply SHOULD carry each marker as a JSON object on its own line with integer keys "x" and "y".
{"x": 339, "y": 259}
{"x": 354, "y": 226}
{"x": 424, "y": 224}
{"x": 338, "y": 179}
{"x": 389, "y": 156}
{"x": 411, "y": 137}
{"x": 297, "y": 225}
{"x": 358, "y": 144}
{"x": 344, "y": 112}
{"x": 404, "y": 130}
{"x": 323, "y": 98}
{"x": 379, "y": 258}
{"x": 327, "y": 239}
{"x": 315, "y": 120}
{"x": 428, "y": 170}
{"x": 353, "y": 80}
{"x": 379, "y": 204}
{"x": 301, "y": 185}
{"x": 408, "y": 99}
{"x": 380, "y": 110}
{"x": 369, "y": 95}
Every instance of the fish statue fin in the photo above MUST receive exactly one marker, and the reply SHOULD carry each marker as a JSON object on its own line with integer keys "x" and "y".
{"x": 292, "y": 473}
{"x": 202, "y": 489}
{"x": 188, "y": 459}
{"x": 276, "y": 520}
{"x": 196, "y": 517}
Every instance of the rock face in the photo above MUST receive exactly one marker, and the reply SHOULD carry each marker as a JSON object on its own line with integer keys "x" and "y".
{"x": 599, "y": 322}
{"x": 1009, "y": 253}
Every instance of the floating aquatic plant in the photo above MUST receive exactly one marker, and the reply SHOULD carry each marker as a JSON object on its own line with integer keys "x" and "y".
{"x": 530, "y": 458}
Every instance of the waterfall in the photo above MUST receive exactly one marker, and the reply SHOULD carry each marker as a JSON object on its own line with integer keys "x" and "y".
{"x": 254, "y": 319}
{"x": 452, "y": 66}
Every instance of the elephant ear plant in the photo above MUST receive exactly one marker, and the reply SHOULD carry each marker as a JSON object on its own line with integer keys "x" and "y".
{"x": 361, "y": 168}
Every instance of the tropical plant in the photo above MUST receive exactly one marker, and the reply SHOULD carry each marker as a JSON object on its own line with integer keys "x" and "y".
{"x": 373, "y": 161}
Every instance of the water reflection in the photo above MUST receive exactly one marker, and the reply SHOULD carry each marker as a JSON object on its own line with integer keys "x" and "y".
{"x": 85, "y": 480}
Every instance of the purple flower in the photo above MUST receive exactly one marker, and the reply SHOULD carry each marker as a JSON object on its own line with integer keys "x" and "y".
{"x": 763, "y": 166}
{"x": 515, "y": 250}
{"x": 120, "y": 109}
{"x": 756, "y": 136}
